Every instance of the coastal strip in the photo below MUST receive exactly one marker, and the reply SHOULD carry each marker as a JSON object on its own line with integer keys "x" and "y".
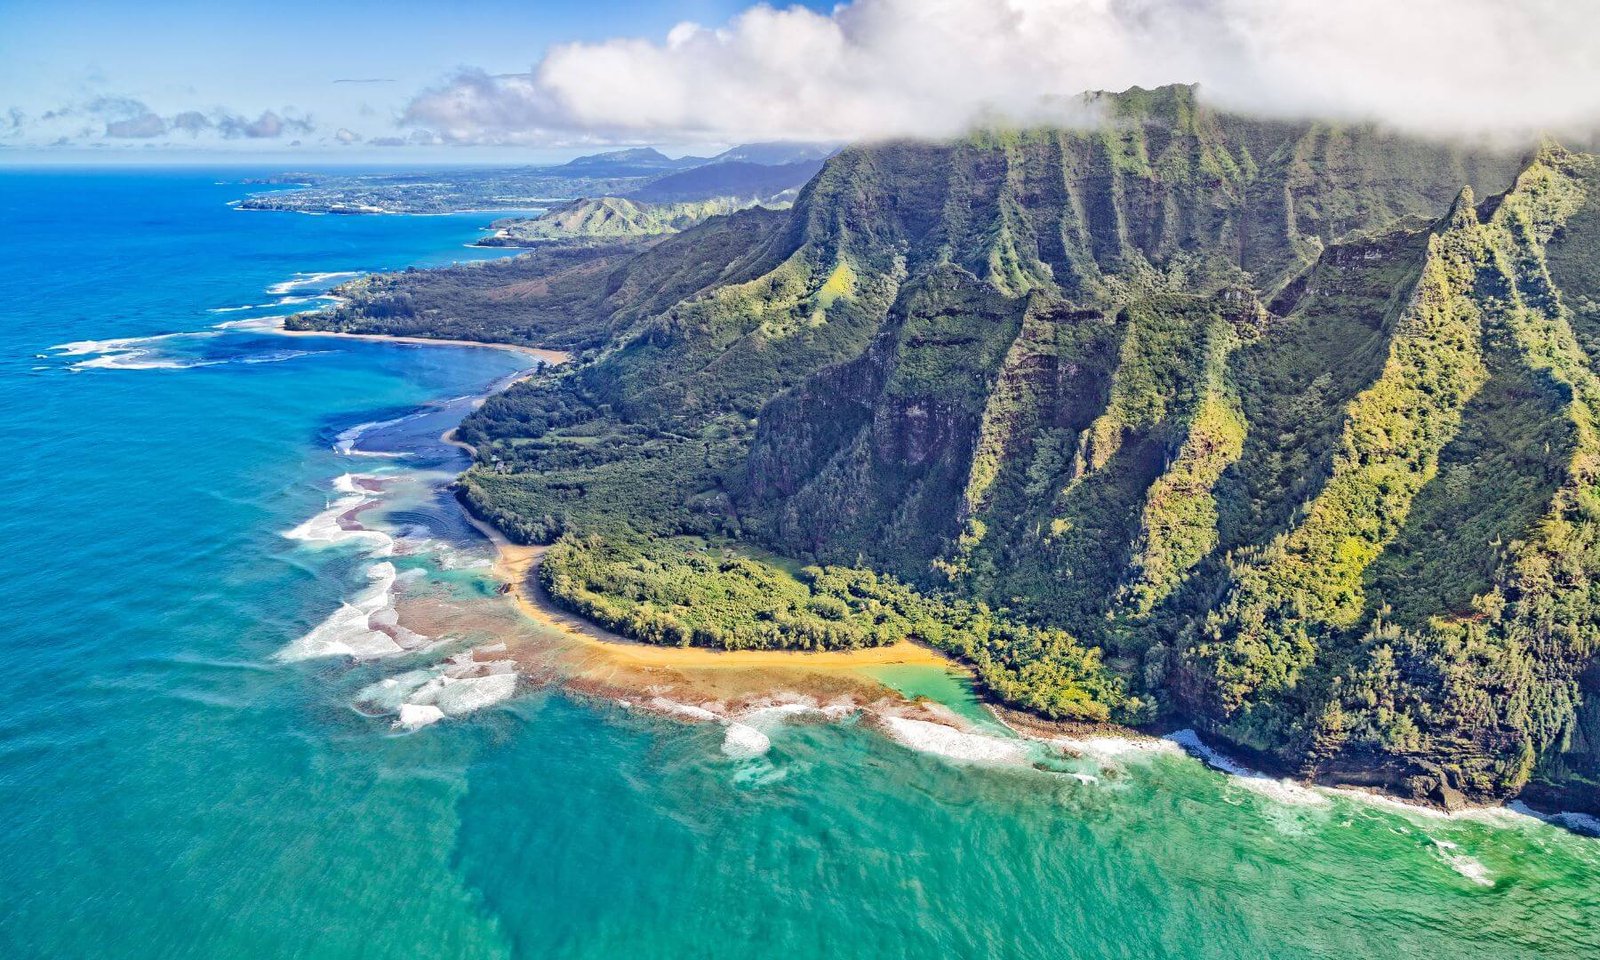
{"x": 546, "y": 356}
{"x": 517, "y": 566}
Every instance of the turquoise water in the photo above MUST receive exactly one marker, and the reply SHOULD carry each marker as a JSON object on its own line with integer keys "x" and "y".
{"x": 172, "y": 787}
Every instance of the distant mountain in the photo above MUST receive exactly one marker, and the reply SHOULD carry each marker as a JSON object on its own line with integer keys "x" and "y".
{"x": 633, "y": 162}
{"x": 733, "y": 178}
{"x": 776, "y": 153}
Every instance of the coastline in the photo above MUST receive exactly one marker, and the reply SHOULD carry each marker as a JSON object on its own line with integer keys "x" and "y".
{"x": 546, "y": 356}
{"x": 517, "y": 564}
{"x": 611, "y": 654}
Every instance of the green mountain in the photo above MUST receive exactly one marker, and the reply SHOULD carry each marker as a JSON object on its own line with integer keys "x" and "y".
{"x": 1270, "y": 428}
{"x": 607, "y": 218}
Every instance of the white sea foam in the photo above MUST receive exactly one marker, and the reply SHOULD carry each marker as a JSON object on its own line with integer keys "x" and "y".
{"x": 742, "y": 740}
{"x": 325, "y": 530}
{"x": 348, "y": 631}
{"x": 79, "y": 348}
{"x": 1577, "y": 822}
{"x": 1281, "y": 790}
{"x": 415, "y": 716}
{"x": 1108, "y": 747}
{"x": 345, "y": 442}
{"x": 688, "y": 710}
{"x": 252, "y": 323}
{"x": 459, "y": 685}
{"x": 387, "y": 695}
{"x": 300, "y": 281}
{"x": 1468, "y": 867}
{"x": 140, "y": 360}
{"x": 946, "y": 741}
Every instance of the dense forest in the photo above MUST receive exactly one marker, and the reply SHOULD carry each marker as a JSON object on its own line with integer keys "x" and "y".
{"x": 1284, "y": 430}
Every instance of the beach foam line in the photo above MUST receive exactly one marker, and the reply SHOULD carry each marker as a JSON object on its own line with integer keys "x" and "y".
{"x": 926, "y": 736}
{"x": 1284, "y": 790}
{"x": 1582, "y": 823}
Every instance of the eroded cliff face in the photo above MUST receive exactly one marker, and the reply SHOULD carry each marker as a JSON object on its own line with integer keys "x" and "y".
{"x": 1349, "y": 529}
{"x": 1293, "y": 430}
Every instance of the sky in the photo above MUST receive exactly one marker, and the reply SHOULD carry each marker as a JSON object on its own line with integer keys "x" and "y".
{"x": 71, "y": 70}
{"x": 479, "y": 81}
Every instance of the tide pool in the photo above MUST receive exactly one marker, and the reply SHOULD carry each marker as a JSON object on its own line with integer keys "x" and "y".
{"x": 171, "y": 785}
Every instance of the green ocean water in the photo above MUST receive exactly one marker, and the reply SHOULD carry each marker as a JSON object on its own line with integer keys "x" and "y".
{"x": 171, "y": 787}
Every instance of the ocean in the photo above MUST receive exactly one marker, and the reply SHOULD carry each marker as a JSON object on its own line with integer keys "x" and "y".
{"x": 201, "y": 753}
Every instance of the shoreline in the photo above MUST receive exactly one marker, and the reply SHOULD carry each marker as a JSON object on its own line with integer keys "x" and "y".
{"x": 547, "y": 357}
{"x": 516, "y": 566}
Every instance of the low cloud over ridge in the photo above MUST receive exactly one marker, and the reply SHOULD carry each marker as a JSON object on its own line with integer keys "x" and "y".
{"x": 875, "y": 68}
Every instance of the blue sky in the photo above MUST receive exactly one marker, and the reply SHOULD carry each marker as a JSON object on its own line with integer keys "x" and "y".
{"x": 85, "y": 62}
{"x": 509, "y": 81}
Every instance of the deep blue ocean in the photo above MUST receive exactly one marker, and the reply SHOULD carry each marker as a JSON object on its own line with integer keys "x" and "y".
{"x": 179, "y": 778}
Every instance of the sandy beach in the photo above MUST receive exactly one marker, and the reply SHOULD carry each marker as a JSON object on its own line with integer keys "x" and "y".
{"x": 516, "y": 565}
{"x": 612, "y": 661}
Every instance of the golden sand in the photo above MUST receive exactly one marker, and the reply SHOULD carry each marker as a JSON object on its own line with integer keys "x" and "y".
{"x": 607, "y": 662}
{"x": 516, "y": 564}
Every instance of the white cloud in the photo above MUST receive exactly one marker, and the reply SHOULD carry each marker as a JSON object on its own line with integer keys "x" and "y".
{"x": 934, "y": 67}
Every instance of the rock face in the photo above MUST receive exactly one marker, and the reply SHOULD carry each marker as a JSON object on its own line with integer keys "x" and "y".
{"x": 1299, "y": 433}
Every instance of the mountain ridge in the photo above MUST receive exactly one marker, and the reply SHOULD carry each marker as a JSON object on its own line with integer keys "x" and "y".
{"x": 1268, "y": 427}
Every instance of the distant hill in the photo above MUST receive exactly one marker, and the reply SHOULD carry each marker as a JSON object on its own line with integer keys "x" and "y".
{"x": 732, "y": 178}
{"x": 605, "y": 218}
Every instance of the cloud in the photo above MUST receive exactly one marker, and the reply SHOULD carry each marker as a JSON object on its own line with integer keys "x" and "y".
{"x": 345, "y": 135}
{"x": 192, "y": 122}
{"x": 142, "y": 127}
{"x": 365, "y": 80}
{"x": 874, "y": 68}
{"x": 124, "y": 118}
{"x": 267, "y": 126}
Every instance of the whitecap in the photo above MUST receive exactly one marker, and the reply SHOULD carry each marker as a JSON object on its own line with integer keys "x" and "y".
{"x": 743, "y": 741}
{"x": 950, "y": 743}
{"x": 348, "y": 631}
{"x": 302, "y": 280}
{"x": 414, "y": 716}
{"x": 140, "y": 360}
{"x": 1468, "y": 867}
{"x": 326, "y": 530}
{"x": 345, "y": 442}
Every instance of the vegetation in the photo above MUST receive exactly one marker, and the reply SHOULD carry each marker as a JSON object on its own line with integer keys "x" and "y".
{"x": 1264, "y": 427}
{"x": 692, "y": 593}
{"x": 603, "y": 218}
